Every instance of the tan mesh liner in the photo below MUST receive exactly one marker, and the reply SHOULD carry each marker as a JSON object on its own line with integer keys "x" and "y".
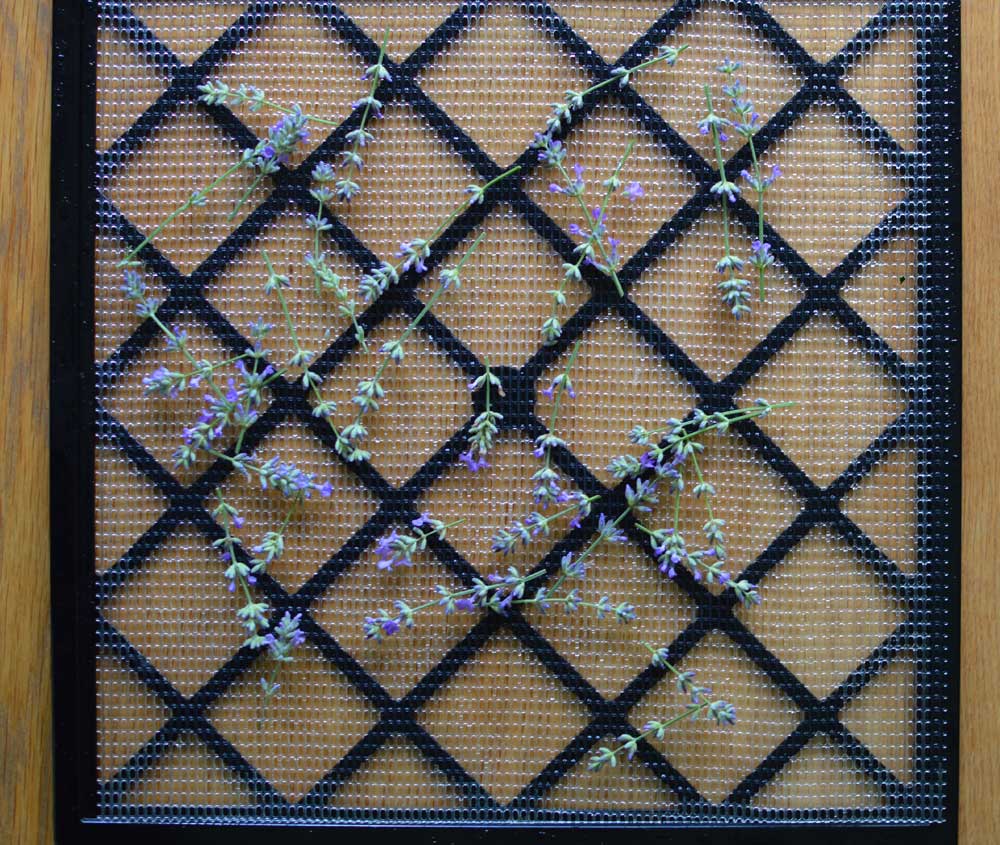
{"x": 504, "y": 715}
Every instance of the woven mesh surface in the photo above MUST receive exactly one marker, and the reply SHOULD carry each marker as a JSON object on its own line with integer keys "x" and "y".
{"x": 831, "y": 505}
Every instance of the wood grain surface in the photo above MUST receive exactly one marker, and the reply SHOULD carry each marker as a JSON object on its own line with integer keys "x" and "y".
{"x": 25, "y": 752}
{"x": 979, "y": 819}
{"x": 25, "y": 688}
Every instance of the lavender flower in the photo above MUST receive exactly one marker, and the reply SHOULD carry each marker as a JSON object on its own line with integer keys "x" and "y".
{"x": 413, "y": 254}
{"x": 472, "y": 463}
{"x": 634, "y": 191}
{"x": 608, "y": 530}
{"x": 485, "y": 426}
{"x": 562, "y": 113}
{"x": 324, "y": 278}
{"x": 347, "y": 187}
{"x": 289, "y": 480}
{"x": 380, "y": 626}
{"x": 733, "y": 288}
{"x": 285, "y": 637}
{"x": 505, "y": 540}
{"x": 745, "y": 118}
{"x": 399, "y": 549}
{"x": 553, "y": 154}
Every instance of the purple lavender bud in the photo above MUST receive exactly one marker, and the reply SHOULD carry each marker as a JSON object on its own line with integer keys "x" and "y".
{"x": 473, "y": 464}
{"x": 633, "y": 190}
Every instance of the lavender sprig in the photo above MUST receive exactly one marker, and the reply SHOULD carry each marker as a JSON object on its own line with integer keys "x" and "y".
{"x": 300, "y": 357}
{"x": 485, "y": 426}
{"x": 677, "y": 444}
{"x": 253, "y": 615}
{"x": 281, "y": 642}
{"x": 553, "y": 154}
{"x": 285, "y": 636}
{"x": 347, "y": 187}
{"x": 235, "y": 405}
{"x": 640, "y": 497}
{"x": 596, "y": 232}
{"x": 412, "y": 254}
{"x": 370, "y": 390}
{"x": 573, "y": 100}
{"x": 721, "y": 712}
{"x": 495, "y": 593}
{"x": 283, "y": 138}
{"x": 399, "y": 549}
{"x": 546, "y": 490}
{"x": 324, "y": 278}
{"x": 733, "y": 288}
{"x": 745, "y": 125}
{"x": 523, "y": 531}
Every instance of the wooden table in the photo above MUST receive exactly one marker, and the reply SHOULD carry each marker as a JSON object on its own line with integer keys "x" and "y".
{"x": 25, "y": 720}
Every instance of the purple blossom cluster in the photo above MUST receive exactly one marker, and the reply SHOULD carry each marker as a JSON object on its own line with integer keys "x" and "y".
{"x": 281, "y": 642}
{"x": 283, "y": 137}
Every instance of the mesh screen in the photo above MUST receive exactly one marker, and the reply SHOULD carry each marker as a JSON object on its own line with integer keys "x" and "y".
{"x": 834, "y": 506}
